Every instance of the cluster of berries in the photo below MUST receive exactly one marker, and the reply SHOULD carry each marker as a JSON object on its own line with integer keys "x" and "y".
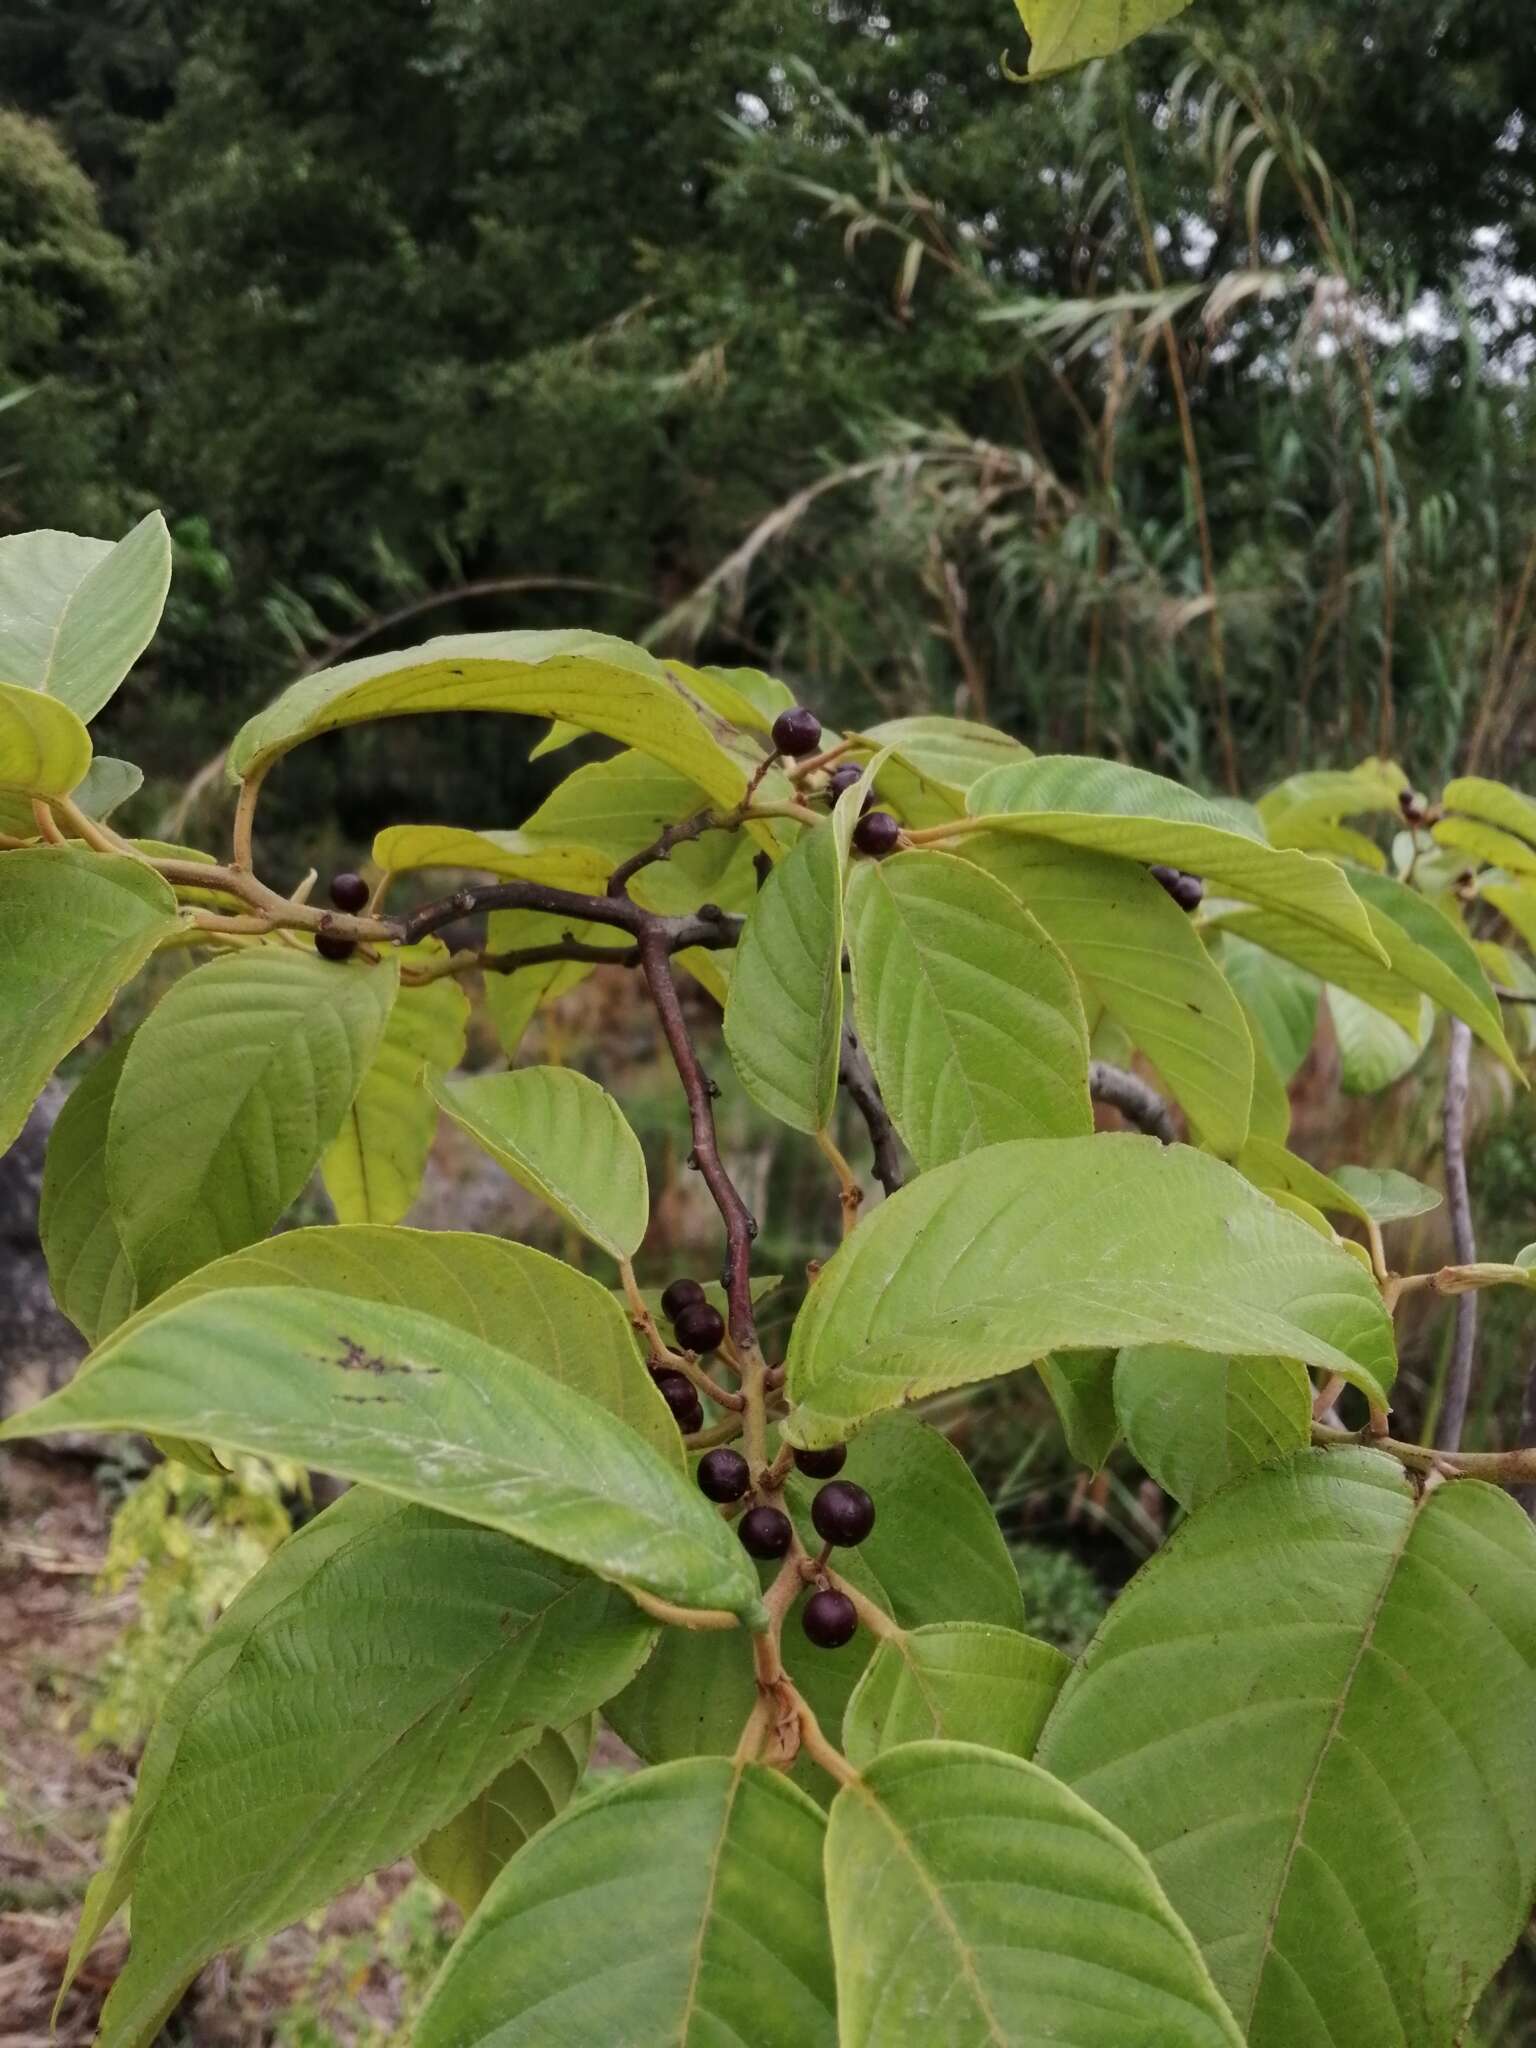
{"x": 1188, "y": 891}
{"x": 797, "y": 734}
{"x": 842, "y": 1513}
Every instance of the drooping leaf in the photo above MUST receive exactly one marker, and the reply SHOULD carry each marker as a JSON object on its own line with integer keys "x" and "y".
{"x": 963, "y": 1681}
{"x": 88, "y": 1269}
{"x": 1198, "y": 1421}
{"x": 1279, "y": 997}
{"x": 970, "y": 1016}
{"x": 588, "y": 679}
{"x": 990, "y": 1263}
{"x": 1427, "y": 950}
{"x": 1479, "y": 797}
{"x": 1486, "y": 843}
{"x": 1517, "y": 902}
{"x": 373, "y": 1166}
{"x": 683, "y": 1905}
{"x": 513, "y": 856}
{"x": 976, "y": 1899}
{"x": 563, "y": 1138}
{"x": 784, "y": 1010}
{"x": 74, "y": 926}
{"x": 1277, "y": 1171}
{"x": 410, "y": 1404}
{"x": 1330, "y": 1764}
{"x": 1081, "y": 1385}
{"x": 935, "y": 1554}
{"x": 1385, "y": 1194}
{"x": 1135, "y": 951}
{"x": 76, "y": 614}
{"x": 1322, "y": 954}
{"x": 235, "y": 1084}
{"x": 1125, "y": 811}
{"x": 44, "y": 748}
{"x": 1064, "y": 33}
{"x": 1375, "y": 1050}
{"x": 561, "y": 1320}
{"x": 464, "y": 1856}
{"x": 364, "y": 1709}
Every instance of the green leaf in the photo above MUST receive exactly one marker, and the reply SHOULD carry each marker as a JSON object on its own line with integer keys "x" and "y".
{"x": 108, "y": 783}
{"x": 1063, "y": 33}
{"x": 989, "y": 1263}
{"x": 235, "y": 1084}
{"x": 1124, "y": 811}
{"x": 563, "y": 1138}
{"x": 1302, "y": 810}
{"x": 76, "y": 614}
{"x": 784, "y": 1010}
{"x": 963, "y": 1681}
{"x": 565, "y": 1323}
{"x": 1427, "y": 950}
{"x": 513, "y": 998}
{"x": 1134, "y": 950}
{"x": 934, "y": 1554}
{"x": 364, "y": 1709}
{"x": 1500, "y": 805}
{"x": 466, "y": 1427}
{"x": 1326, "y": 956}
{"x": 88, "y": 1269}
{"x": 1081, "y": 1385}
{"x": 975, "y": 1899}
{"x": 1197, "y": 1422}
{"x": 44, "y": 748}
{"x": 601, "y": 684}
{"x": 1486, "y": 843}
{"x": 933, "y": 761}
{"x": 1280, "y": 998}
{"x": 1375, "y": 1050}
{"x": 464, "y": 1856}
{"x": 1517, "y": 902}
{"x": 970, "y": 1016}
{"x": 512, "y": 856}
{"x": 1271, "y": 1167}
{"x": 1386, "y": 1195}
{"x": 74, "y": 926}
{"x": 1335, "y": 1783}
{"x": 373, "y": 1166}
{"x": 683, "y": 1905}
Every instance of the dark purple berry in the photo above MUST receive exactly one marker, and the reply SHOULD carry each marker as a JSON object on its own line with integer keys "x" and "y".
{"x": 797, "y": 732}
{"x": 699, "y": 1326}
{"x": 822, "y": 1464}
{"x": 876, "y": 833}
{"x": 842, "y": 1513}
{"x": 349, "y": 892}
{"x": 830, "y": 1619}
{"x": 843, "y": 776}
{"x": 1189, "y": 892}
{"x": 678, "y": 1296}
{"x": 682, "y": 1397}
{"x": 765, "y": 1532}
{"x": 723, "y": 1475}
{"x": 1165, "y": 877}
{"x": 332, "y": 946}
{"x": 1414, "y": 805}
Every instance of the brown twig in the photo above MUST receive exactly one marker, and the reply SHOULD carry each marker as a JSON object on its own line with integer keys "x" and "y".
{"x": 1459, "y": 1379}
{"x": 858, "y": 1077}
{"x": 1135, "y": 1100}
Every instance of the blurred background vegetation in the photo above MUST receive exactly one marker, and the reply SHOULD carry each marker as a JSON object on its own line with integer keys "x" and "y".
{"x": 1180, "y": 410}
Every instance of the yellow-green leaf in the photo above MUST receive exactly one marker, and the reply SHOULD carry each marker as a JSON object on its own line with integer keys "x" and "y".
{"x": 373, "y": 1166}
{"x": 76, "y": 614}
{"x": 44, "y": 749}
{"x": 1500, "y": 805}
{"x": 513, "y": 856}
{"x": 563, "y": 1138}
{"x": 464, "y": 1857}
{"x": 601, "y": 684}
{"x": 74, "y": 926}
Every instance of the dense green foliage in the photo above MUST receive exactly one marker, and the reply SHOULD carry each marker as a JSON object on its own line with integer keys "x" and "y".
{"x": 871, "y": 1809}
{"x": 497, "y": 292}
